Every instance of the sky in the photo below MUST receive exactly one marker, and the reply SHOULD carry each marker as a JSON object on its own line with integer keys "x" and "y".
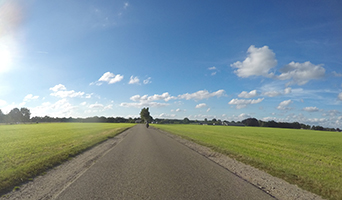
{"x": 229, "y": 60}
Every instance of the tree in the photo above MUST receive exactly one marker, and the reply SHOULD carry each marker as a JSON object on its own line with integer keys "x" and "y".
{"x": 25, "y": 114}
{"x": 145, "y": 115}
{"x": 2, "y": 117}
{"x": 15, "y": 115}
{"x": 186, "y": 120}
{"x": 250, "y": 122}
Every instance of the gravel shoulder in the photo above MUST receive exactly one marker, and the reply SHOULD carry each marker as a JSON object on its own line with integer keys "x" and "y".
{"x": 52, "y": 183}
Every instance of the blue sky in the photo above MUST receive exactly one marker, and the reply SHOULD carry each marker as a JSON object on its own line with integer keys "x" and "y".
{"x": 272, "y": 60}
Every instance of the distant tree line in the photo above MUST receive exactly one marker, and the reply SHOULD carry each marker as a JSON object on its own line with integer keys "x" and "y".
{"x": 246, "y": 122}
{"x": 23, "y": 115}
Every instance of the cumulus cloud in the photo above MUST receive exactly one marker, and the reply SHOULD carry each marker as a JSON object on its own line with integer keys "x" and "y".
{"x": 241, "y": 103}
{"x": 58, "y": 87}
{"x": 247, "y": 95}
{"x": 340, "y": 96}
{"x": 202, "y": 94}
{"x": 287, "y": 90}
{"x": 60, "y": 91}
{"x": 301, "y": 73}
{"x": 30, "y": 97}
{"x": 284, "y": 105}
{"x": 258, "y": 63}
{"x": 311, "y": 109}
{"x": 165, "y": 96}
{"x": 201, "y": 105}
{"x": 163, "y": 115}
{"x": 96, "y": 105}
{"x": 108, "y": 77}
{"x": 212, "y": 68}
{"x": 61, "y": 108}
{"x": 134, "y": 80}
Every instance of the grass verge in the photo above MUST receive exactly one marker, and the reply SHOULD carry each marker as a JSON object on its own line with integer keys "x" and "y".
{"x": 28, "y": 150}
{"x": 310, "y": 159}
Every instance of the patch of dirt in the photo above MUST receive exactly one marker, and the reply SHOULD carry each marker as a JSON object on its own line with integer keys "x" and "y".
{"x": 274, "y": 186}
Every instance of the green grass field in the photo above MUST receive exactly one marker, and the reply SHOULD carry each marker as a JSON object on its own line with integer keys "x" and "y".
{"x": 310, "y": 159}
{"x": 28, "y": 150}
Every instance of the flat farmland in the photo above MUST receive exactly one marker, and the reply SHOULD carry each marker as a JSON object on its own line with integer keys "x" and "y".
{"x": 310, "y": 159}
{"x": 28, "y": 150}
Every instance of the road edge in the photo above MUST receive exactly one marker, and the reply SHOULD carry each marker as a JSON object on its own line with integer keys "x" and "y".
{"x": 276, "y": 187}
{"x": 55, "y": 180}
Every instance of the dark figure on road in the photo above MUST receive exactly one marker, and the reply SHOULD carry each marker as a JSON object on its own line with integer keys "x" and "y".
{"x": 147, "y": 125}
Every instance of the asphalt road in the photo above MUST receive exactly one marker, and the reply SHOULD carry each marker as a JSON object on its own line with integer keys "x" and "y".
{"x": 149, "y": 165}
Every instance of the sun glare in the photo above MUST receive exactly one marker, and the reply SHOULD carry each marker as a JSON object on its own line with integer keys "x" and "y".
{"x": 5, "y": 59}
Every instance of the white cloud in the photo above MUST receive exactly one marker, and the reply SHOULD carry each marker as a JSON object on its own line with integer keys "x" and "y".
{"x": 258, "y": 63}
{"x": 301, "y": 73}
{"x": 208, "y": 109}
{"x": 111, "y": 78}
{"x": 178, "y": 110}
{"x": 241, "y": 103}
{"x": 88, "y": 96}
{"x": 60, "y": 91}
{"x": 134, "y": 80}
{"x": 287, "y": 90}
{"x": 337, "y": 74}
{"x": 61, "y": 108}
{"x": 284, "y": 104}
{"x": 250, "y": 94}
{"x": 96, "y": 105}
{"x": 147, "y": 81}
{"x": 311, "y": 109}
{"x": 83, "y": 103}
{"x": 340, "y": 96}
{"x": 165, "y": 96}
{"x": 126, "y": 4}
{"x": 143, "y": 104}
{"x": 202, "y": 94}
{"x": 243, "y": 116}
{"x": 272, "y": 93}
{"x": 201, "y": 105}
{"x": 167, "y": 115}
{"x": 212, "y": 68}
{"x": 58, "y": 88}
{"x": 64, "y": 94}
{"x": 30, "y": 97}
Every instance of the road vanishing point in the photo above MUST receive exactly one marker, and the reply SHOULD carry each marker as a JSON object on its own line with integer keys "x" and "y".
{"x": 148, "y": 164}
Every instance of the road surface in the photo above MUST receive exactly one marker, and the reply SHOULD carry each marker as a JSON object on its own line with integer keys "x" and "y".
{"x": 147, "y": 164}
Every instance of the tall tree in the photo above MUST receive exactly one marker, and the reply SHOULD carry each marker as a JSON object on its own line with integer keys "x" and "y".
{"x": 15, "y": 115}
{"x": 2, "y": 117}
{"x": 25, "y": 114}
{"x": 145, "y": 115}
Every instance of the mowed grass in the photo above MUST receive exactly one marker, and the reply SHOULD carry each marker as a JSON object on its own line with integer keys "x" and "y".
{"x": 28, "y": 150}
{"x": 310, "y": 159}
